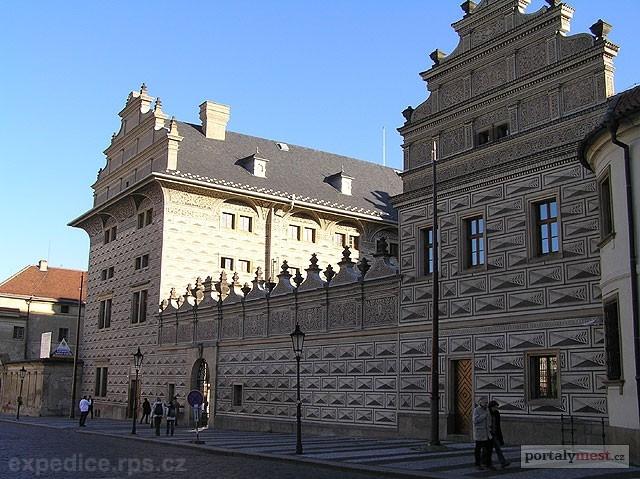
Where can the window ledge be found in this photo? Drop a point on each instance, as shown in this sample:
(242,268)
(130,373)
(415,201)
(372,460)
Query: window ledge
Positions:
(551,257)
(606,239)
(614,383)
(545,402)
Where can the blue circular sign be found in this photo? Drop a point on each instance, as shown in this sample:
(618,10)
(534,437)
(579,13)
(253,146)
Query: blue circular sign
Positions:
(194,398)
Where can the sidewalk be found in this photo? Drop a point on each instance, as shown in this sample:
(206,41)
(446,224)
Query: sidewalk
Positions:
(391,457)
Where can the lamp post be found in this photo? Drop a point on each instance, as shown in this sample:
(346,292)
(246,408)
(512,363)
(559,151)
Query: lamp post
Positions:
(435,339)
(23,373)
(297,338)
(137,362)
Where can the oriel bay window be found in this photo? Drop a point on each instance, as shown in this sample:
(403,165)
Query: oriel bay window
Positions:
(475,241)
(546,234)
(139,306)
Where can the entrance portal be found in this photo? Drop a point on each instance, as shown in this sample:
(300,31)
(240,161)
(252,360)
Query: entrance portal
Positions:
(200,380)
(462,396)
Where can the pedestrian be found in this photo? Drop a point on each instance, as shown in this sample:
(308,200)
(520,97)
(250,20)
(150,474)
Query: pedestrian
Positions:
(84,410)
(482,434)
(175,401)
(497,440)
(90,399)
(158,412)
(146,410)
(171,417)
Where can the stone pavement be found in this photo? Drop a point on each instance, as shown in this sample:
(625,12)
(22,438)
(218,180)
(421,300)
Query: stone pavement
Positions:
(383,457)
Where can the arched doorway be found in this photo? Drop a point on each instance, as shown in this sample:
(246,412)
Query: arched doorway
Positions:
(201,380)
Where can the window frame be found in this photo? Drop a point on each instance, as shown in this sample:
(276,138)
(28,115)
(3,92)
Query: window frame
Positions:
(247,263)
(104,313)
(222,261)
(17,336)
(237,395)
(102,380)
(61,337)
(226,215)
(342,236)
(249,222)
(613,340)
(307,229)
(294,228)
(354,242)
(426,258)
(539,223)
(139,306)
(470,237)
(605,207)
(530,375)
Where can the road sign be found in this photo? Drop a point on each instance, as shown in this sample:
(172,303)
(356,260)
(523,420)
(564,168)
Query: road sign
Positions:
(194,398)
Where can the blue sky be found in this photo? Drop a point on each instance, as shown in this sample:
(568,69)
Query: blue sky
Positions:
(328,75)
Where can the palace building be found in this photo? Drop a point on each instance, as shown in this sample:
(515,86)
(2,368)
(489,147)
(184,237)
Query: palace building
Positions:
(177,200)
(180,208)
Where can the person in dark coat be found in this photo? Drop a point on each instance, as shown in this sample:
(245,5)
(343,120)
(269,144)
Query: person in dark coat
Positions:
(158,413)
(497,440)
(171,417)
(146,411)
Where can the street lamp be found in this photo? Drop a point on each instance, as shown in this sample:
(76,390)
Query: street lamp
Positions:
(435,333)
(297,338)
(137,362)
(23,373)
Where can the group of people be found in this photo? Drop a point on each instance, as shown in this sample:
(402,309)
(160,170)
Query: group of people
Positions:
(157,411)
(487,434)
(86,408)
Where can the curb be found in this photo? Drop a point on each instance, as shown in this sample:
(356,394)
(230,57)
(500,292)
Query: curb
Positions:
(334,465)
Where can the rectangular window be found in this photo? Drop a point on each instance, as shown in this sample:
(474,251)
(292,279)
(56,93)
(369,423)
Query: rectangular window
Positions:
(245,223)
(145,260)
(107,236)
(103,274)
(354,242)
(104,314)
(228,220)
(64,308)
(612,340)
(546,227)
(426,238)
(100,389)
(63,333)
(310,235)
(110,272)
(139,307)
(483,137)
(543,376)
(502,131)
(226,263)
(140,220)
(244,266)
(606,207)
(475,241)
(114,231)
(18,332)
(237,394)
(294,232)
(110,234)
(141,261)
(340,239)
(148,217)
(393,249)
(172,390)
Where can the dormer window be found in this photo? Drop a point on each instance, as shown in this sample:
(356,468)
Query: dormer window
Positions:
(255,165)
(341,182)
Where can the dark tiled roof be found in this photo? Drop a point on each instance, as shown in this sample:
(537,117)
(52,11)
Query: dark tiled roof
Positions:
(620,106)
(56,283)
(302,172)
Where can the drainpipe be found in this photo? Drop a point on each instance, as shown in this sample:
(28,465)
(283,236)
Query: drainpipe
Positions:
(633,262)
(26,328)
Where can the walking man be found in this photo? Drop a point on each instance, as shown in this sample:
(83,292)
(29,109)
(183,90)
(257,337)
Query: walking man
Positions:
(496,433)
(171,417)
(146,410)
(84,410)
(90,406)
(158,412)
(482,434)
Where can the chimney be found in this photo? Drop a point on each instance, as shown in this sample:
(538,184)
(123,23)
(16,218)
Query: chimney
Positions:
(214,117)
(43,265)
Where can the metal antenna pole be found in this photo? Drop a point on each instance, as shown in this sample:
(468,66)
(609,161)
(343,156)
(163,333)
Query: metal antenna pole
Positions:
(435,347)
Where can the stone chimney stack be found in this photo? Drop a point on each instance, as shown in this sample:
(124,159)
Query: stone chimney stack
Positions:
(214,117)
(43,265)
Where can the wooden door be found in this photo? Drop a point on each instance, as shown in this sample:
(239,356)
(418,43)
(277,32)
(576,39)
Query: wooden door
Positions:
(462,396)
(134,390)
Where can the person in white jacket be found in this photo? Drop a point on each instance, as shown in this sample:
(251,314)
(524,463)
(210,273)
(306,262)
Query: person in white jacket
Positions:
(482,434)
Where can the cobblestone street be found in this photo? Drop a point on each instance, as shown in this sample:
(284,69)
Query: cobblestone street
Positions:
(106,449)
